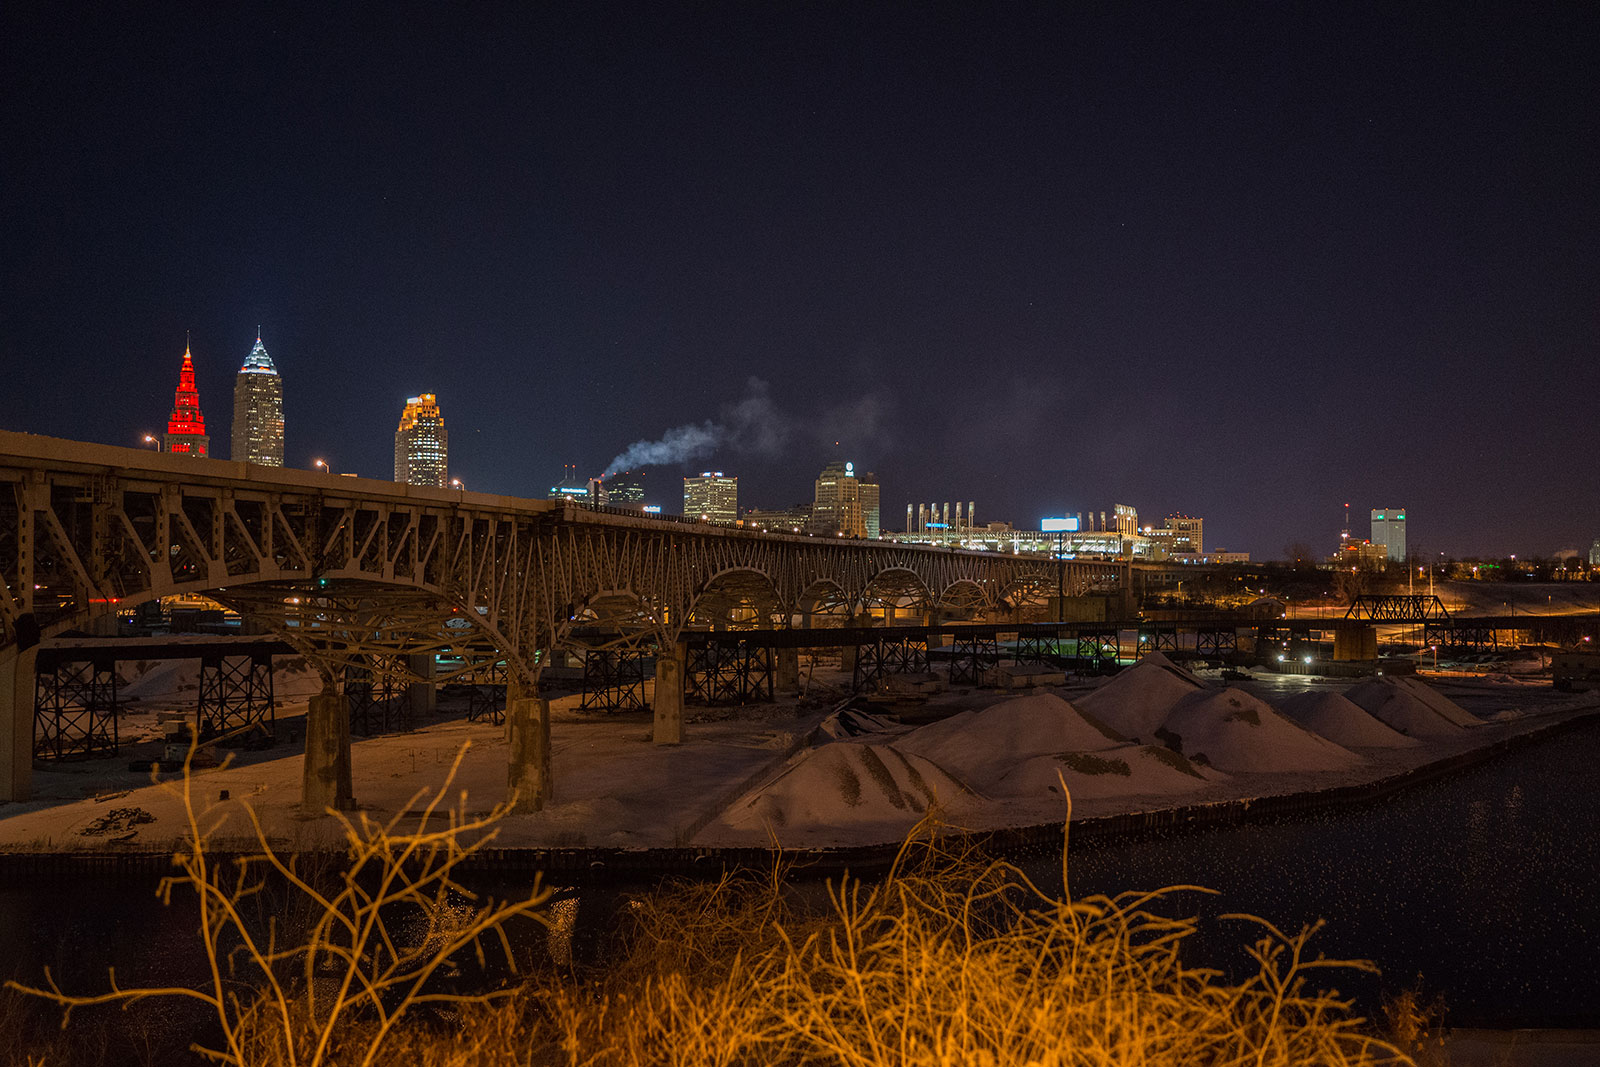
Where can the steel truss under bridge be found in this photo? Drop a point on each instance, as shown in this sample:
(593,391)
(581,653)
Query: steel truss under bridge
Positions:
(971,655)
(613,679)
(75,710)
(236,696)
(1397,608)
(886,655)
(378,700)
(727,669)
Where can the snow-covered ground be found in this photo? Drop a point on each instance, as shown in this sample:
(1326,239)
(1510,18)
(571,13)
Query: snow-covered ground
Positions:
(803,773)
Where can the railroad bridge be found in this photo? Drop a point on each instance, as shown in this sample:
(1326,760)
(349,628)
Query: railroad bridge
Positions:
(382,577)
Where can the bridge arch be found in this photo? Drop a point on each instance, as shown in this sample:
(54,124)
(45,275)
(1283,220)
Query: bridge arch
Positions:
(610,619)
(964,598)
(895,593)
(824,603)
(738,598)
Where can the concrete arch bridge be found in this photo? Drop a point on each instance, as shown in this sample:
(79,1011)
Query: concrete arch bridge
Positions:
(355,572)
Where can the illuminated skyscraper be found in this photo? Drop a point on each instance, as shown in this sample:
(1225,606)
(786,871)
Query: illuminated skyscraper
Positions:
(258,410)
(1389,530)
(711,497)
(846,502)
(421,444)
(624,489)
(186,429)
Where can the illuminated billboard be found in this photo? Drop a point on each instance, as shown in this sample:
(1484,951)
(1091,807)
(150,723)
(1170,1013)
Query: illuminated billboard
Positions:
(1068,525)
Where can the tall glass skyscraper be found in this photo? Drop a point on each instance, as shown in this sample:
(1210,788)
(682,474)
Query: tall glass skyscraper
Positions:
(258,410)
(421,444)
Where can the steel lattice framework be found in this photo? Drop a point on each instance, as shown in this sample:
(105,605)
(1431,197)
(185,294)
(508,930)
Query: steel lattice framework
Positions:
(352,570)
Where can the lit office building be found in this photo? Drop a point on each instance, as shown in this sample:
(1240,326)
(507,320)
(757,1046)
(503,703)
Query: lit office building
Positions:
(778,520)
(624,489)
(846,503)
(571,488)
(258,410)
(421,445)
(1389,530)
(1182,535)
(711,497)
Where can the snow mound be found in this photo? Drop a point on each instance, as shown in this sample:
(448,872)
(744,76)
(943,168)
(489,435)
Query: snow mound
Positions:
(162,678)
(1137,701)
(1410,706)
(293,677)
(1235,731)
(1340,720)
(847,785)
(1127,770)
(985,744)
(852,722)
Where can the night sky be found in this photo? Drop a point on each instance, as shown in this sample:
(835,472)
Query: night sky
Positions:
(1248,262)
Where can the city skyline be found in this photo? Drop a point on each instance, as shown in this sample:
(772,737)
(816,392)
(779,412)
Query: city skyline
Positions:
(1100,263)
(258,361)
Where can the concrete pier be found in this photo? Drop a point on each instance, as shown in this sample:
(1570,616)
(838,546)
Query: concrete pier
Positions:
(326,780)
(421,697)
(16,723)
(787,668)
(528,730)
(668,701)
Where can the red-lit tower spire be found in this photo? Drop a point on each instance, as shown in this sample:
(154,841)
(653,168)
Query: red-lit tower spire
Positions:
(186,429)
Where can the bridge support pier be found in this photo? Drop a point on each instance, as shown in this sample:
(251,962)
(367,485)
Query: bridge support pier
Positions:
(528,730)
(421,697)
(326,780)
(788,668)
(16,723)
(668,699)
(1354,640)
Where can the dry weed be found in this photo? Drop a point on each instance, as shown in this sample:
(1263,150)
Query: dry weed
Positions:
(335,990)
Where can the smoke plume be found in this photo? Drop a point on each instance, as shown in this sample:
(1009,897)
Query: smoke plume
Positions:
(752,424)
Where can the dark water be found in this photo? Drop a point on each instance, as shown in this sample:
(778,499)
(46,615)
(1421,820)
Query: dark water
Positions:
(1481,888)
(1486,885)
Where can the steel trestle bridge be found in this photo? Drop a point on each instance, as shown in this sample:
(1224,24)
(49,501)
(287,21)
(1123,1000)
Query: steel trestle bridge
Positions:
(377,577)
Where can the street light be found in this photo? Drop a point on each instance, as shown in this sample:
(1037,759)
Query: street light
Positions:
(322,464)
(455,483)
(151,439)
